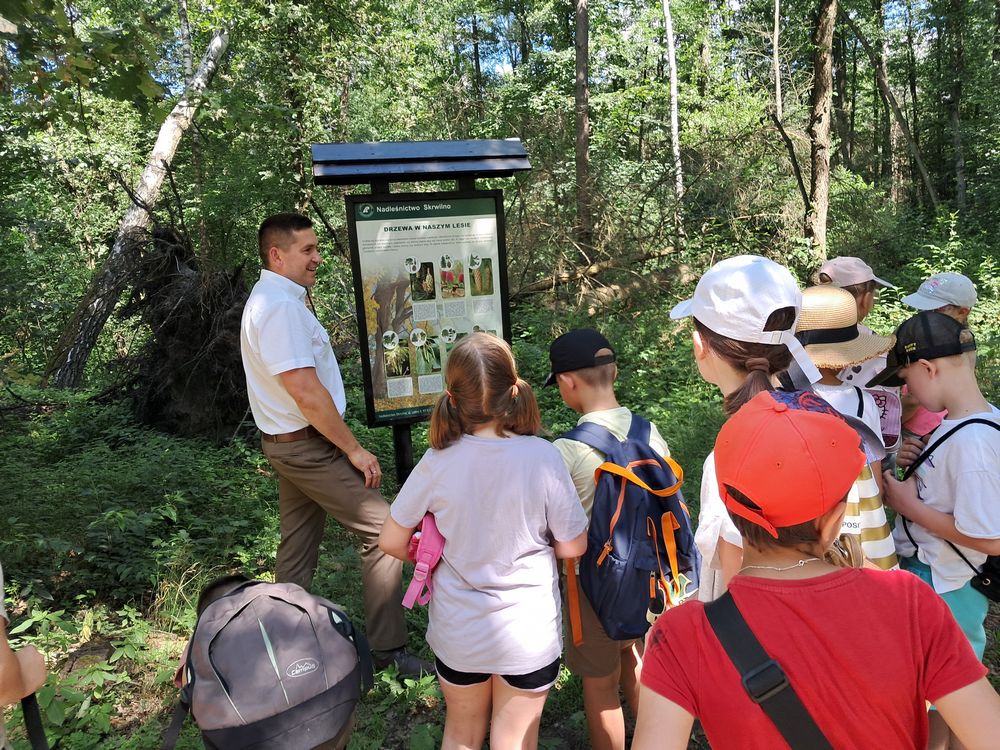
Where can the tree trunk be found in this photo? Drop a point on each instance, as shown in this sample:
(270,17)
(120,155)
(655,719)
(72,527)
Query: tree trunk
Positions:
(854,96)
(182,14)
(584,198)
(776,60)
(957,28)
(819,128)
(840,100)
(675,130)
(911,70)
(65,370)
(996,31)
(199,166)
(524,41)
(883,83)
(885,135)
(475,57)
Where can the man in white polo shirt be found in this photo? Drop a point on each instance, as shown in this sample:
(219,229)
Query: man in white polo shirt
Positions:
(297,399)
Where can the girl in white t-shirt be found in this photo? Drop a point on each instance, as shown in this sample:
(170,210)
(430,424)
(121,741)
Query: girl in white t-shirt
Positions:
(745,310)
(507,509)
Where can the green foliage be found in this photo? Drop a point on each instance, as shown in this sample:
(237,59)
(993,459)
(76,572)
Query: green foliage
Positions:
(142,504)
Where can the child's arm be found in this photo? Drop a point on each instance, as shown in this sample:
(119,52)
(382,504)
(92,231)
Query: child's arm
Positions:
(973,713)
(660,723)
(21,672)
(572,548)
(395,539)
(876,467)
(902,497)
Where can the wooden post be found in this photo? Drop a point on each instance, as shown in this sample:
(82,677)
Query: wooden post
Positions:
(402,444)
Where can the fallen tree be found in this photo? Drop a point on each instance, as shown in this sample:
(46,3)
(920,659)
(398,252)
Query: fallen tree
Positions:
(65,369)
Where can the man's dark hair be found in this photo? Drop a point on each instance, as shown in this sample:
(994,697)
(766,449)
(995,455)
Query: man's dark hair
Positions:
(276,228)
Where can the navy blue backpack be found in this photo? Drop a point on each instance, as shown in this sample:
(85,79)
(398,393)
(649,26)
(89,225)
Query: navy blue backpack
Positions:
(641,557)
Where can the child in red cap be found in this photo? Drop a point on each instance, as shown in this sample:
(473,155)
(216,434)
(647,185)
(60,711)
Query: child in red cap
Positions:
(785,463)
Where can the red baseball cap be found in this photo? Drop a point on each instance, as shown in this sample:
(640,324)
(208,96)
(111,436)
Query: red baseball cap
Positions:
(791,454)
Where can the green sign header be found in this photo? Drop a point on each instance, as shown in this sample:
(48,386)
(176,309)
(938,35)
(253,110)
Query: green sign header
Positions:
(424,209)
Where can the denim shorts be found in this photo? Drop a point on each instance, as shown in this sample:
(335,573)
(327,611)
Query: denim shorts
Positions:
(967,604)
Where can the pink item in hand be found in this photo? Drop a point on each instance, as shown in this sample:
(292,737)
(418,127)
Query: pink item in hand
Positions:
(426,546)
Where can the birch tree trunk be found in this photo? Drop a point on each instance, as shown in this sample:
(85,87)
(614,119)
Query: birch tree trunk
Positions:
(584,204)
(475,57)
(819,128)
(675,130)
(776,60)
(66,368)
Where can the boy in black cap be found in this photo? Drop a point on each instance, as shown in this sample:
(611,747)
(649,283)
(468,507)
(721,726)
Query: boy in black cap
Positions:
(948,508)
(583,366)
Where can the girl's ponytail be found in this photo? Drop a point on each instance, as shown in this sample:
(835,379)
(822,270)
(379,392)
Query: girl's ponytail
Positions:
(446,423)
(522,416)
(758,379)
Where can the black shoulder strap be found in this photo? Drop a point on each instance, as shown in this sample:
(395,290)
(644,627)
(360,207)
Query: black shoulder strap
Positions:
(934,446)
(861,402)
(763,678)
(597,437)
(176,724)
(33,723)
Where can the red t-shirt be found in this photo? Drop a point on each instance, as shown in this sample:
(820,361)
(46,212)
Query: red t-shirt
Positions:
(863,648)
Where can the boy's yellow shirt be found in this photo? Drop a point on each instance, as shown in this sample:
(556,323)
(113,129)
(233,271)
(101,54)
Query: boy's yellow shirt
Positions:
(582,460)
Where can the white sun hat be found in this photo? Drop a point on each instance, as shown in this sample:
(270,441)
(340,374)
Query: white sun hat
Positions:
(942,289)
(735,298)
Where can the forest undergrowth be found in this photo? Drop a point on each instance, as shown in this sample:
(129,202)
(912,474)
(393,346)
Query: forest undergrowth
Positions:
(112,527)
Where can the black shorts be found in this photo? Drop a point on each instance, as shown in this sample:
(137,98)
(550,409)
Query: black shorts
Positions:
(540,679)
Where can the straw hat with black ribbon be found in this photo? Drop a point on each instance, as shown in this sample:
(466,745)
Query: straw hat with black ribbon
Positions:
(828,330)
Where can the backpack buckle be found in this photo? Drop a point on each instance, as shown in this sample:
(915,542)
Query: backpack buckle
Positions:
(420,571)
(765,681)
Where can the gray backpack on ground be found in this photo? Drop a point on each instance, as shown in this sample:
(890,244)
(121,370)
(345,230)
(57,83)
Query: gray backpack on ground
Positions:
(270,665)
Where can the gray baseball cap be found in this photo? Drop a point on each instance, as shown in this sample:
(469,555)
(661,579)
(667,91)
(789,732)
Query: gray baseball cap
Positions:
(942,289)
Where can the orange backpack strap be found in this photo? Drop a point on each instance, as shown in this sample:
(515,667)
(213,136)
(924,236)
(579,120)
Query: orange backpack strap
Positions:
(628,475)
(573,602)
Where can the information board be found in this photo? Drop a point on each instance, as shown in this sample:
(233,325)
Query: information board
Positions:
(429,268)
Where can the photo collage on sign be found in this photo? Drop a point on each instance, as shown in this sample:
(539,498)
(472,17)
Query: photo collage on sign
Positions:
(439,289)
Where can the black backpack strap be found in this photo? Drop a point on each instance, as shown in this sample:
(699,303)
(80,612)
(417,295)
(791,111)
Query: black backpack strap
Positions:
(861,402)
(33,723)
(906,528)
(763,678)
(934,446)
(597,437)
(176,724)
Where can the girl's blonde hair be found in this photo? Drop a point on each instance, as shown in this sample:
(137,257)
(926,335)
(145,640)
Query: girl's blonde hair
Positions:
(483,385)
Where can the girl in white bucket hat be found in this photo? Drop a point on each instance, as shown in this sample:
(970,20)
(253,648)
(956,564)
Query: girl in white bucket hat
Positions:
(745,312)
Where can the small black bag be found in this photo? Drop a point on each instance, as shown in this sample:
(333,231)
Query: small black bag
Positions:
(987,580)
